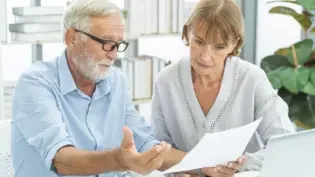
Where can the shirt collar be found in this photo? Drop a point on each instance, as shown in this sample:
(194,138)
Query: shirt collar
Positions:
(67,83)
(102,88)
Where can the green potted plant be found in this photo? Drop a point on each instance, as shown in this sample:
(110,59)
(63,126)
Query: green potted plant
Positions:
(291,70)
(125,13)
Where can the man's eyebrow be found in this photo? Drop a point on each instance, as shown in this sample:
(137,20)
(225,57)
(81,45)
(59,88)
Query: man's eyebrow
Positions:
(110,38)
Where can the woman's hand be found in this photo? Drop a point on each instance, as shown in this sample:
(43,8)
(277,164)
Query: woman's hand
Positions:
(227,170)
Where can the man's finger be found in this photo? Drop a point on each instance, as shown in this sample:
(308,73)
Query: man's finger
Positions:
(242,159)
(234,165)
(225,170)
(209,171)
(128,141)
(218,173)
(146,157)
(157,161)
(165,148)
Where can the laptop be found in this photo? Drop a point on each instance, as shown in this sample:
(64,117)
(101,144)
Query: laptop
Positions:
(290,155)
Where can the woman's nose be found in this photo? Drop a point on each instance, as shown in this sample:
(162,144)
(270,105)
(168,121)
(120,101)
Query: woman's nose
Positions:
(206,55)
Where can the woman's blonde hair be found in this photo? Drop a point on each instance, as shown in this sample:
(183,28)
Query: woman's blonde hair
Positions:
(215,16)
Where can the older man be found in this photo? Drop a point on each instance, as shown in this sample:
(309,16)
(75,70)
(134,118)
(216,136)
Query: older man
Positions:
(74,115)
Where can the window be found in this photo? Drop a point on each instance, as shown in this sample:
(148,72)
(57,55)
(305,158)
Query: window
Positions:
(275,31)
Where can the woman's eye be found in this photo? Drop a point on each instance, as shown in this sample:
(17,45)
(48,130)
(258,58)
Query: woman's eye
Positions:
(199,42)
(220,47)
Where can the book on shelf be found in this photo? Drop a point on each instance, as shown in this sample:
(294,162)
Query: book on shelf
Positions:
(127,67)
(135,18)
(143,78)
(180,15)
(174,15)
(141,73)
(154,16)
(33,37)
(151,17)
(31,27)
(38,10)
(38,19)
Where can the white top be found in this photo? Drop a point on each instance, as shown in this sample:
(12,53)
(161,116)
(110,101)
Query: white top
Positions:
(245,95)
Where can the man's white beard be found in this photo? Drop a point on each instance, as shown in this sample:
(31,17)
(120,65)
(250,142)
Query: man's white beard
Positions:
(90,69)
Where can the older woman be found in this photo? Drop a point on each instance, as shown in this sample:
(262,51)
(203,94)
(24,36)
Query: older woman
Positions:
(213,90)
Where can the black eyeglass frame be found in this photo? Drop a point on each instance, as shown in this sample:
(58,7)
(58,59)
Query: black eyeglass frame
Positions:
(103,42)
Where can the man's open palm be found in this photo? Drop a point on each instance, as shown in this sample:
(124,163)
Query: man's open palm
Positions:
(142,163)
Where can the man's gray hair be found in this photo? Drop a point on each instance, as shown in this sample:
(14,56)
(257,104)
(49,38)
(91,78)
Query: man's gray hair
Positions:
(78,14)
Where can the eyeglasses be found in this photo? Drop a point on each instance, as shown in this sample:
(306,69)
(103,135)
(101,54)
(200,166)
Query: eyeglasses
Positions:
(108,45)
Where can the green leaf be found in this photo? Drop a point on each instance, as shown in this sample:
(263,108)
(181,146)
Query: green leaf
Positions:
(312,30)
(311,61)
(302,19)
(303,75)
(308,4)
(299,124)
(312,76)
(125,13)
(300,110)
(309,89)
(312,103)
(282,51)
(273,62)
(303,51)
(289,78)
(297,105)
(274,77)
(285,94)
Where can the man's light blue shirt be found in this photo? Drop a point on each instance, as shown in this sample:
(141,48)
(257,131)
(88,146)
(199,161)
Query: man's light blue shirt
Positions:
(50,112)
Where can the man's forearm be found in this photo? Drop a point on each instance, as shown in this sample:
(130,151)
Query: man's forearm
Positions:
(72,161)
(174,157)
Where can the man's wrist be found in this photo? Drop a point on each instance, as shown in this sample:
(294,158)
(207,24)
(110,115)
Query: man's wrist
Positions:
(119,159)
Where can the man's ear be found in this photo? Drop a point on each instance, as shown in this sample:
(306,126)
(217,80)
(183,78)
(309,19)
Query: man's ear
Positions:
(70,37)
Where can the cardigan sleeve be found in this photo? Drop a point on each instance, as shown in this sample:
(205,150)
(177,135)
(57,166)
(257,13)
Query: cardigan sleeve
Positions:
(274,110)
(161,131)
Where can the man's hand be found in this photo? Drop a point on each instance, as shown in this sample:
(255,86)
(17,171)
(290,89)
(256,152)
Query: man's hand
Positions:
(225,170)
(142,163)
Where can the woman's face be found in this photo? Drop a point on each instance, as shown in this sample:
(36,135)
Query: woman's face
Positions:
(207,58)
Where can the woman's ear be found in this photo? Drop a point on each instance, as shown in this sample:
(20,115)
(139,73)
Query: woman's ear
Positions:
(236,42)
(235,46)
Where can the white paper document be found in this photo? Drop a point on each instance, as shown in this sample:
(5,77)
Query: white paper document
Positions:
(217,148)
(248,174)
